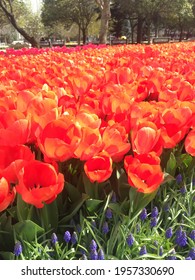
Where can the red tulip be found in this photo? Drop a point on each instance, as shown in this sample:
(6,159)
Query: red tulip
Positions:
(39,183)
(144,172)
(99,167)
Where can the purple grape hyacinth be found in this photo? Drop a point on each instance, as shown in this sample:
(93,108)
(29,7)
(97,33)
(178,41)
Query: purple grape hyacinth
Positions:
(18,249)
(143,215)
(130,240)
(67,236)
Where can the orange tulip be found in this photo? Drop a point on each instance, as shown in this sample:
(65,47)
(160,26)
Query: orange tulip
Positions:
(99,168)
(145,138)
(115,142)
(59,139)
(144,172)
(39,183)
(174,124)
(6,194)
(14,129)
(90,144)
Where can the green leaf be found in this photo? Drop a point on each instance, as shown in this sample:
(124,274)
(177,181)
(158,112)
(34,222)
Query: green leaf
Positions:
(27,230)
(93,205)
(73,209)
(73,193)
(171,165)
(7,255)
(49,216)
(22,209)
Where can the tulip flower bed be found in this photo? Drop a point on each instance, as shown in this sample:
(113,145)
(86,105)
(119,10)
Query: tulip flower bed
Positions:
(97,152)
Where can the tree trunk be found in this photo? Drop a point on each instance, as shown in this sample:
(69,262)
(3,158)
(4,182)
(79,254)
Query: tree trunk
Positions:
(79,35)
(139,29)
(105,17)
(12,20)
(148,32)
(181,34)
(84,35)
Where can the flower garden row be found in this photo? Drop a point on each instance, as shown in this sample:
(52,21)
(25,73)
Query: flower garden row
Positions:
(94,118)
(99,105)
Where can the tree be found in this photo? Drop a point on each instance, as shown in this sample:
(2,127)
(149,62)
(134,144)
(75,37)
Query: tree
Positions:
(69,12)
(10,9)
(104,6)
(179,16)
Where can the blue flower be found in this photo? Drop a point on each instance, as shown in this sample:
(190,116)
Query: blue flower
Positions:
(179,178)
(192,253)
(154,213)
(130,240)
(108,213)
(168,233)
(183,190)
(153,222)
(143,250)
(178,231)
(143,214)
(192,235)
(67,236)
(93,255)
(93,245)
(181,239)
(18,249)
(101,255)
(105,228)
(74,238)
(54,238)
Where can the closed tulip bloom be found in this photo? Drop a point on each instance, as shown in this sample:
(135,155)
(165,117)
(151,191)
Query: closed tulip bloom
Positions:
(99,168)
(144,172)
